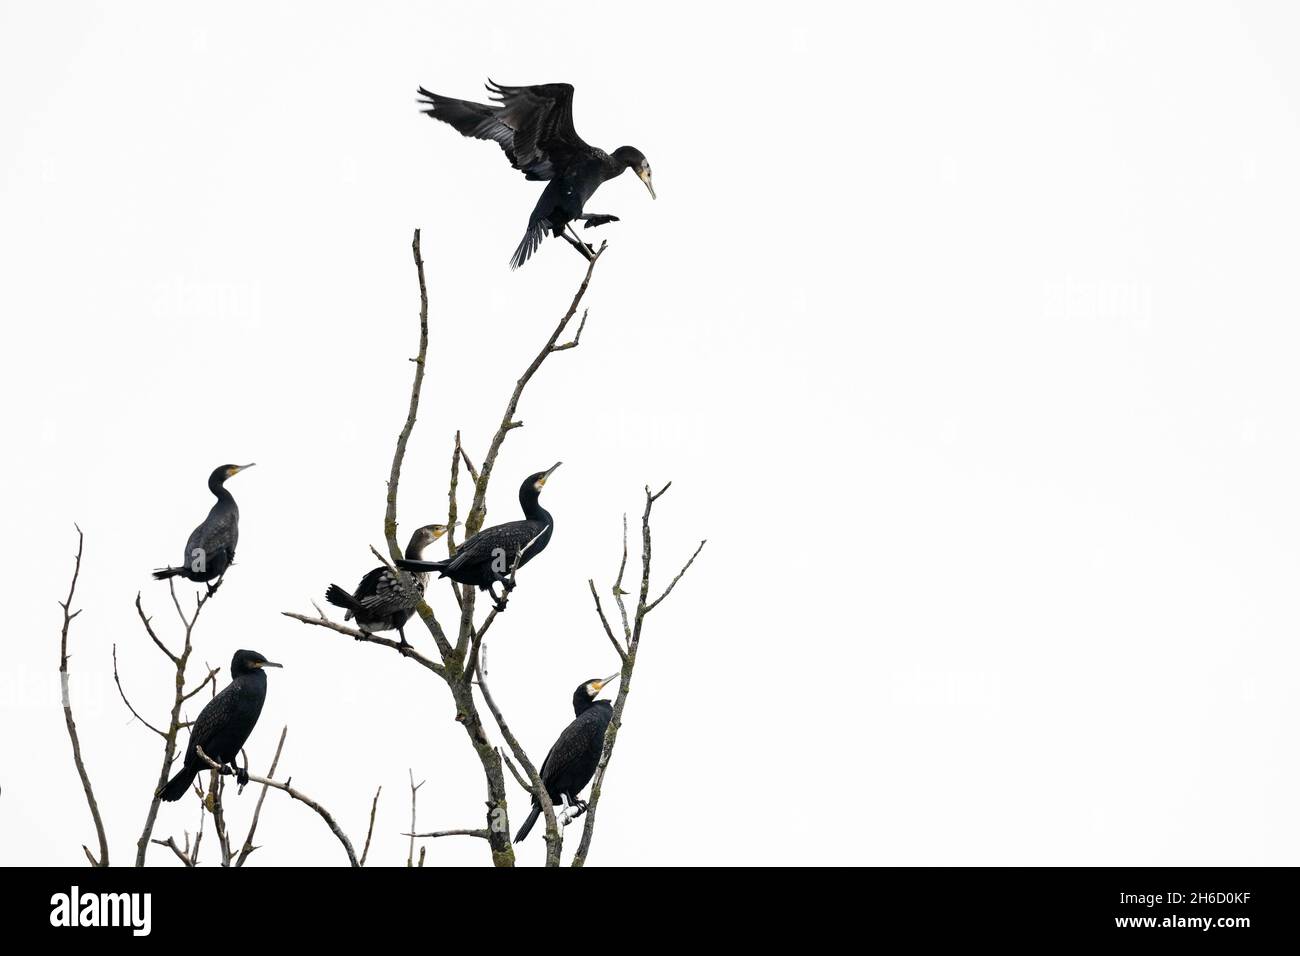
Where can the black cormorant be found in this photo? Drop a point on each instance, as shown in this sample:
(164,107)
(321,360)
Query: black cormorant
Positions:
(378,603)
(225,722)
(211,548)
(572,760)
(533,125)
(487,558)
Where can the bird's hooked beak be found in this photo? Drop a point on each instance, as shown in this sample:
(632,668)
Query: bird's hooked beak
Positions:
(236,469)
(267,664)
(644,173)
(598,685)
(547,474)
(439,531)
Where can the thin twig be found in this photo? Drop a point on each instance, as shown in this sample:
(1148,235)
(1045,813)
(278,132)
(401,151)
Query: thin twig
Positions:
(91,802)
(609,632)
(415,787)
(669,590)
(301,798)
(247,849)
(368,638)
(370,831)
(399,455)
(118,680)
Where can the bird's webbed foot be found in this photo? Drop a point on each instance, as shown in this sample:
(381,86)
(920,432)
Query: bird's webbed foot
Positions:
(598,219)
(241,776)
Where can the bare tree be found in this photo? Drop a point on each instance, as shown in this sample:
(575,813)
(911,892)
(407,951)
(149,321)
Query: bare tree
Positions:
(211,801)
(457,663)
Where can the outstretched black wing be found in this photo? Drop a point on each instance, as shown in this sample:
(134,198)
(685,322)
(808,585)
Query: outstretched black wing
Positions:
(532,124)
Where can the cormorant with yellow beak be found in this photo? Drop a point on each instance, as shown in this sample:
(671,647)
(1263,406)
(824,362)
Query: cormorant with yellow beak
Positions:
(571,762)
(490,556)
(380,603)
(533,125)
(210,551)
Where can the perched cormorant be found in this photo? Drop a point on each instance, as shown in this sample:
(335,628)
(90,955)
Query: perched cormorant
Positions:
(225,722)
(379,603)
(211,548)
(533,125)
(572,760)
(486,558)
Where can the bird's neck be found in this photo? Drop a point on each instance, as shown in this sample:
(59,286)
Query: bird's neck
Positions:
(533,509)
(580,707)
(219,489)
(614,167)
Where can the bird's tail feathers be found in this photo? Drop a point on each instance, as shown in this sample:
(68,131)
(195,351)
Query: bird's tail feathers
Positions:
(179,784)
(162,574)
(528,824)
(537,230)
(422,566)
(341,598)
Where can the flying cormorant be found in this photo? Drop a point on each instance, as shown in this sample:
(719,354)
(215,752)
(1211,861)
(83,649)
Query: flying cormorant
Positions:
(572,760)
(533,125)
(487,558)
(211,548)
(379,603)
(225,722)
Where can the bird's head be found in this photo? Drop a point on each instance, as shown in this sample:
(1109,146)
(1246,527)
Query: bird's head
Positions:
(635,160)
(589,690)
(219,475)
(424,537)
(247,662)
(534,483)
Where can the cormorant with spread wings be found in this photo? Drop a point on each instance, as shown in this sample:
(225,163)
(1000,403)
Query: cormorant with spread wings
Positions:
(533,125)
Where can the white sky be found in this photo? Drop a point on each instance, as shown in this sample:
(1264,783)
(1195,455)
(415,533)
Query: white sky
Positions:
(967,338)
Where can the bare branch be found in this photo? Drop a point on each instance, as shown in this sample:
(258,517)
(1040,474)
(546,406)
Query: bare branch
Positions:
(399,453)
(553,837)
(301,798)
(514,772)
(91,802)
(669,590)
(573,343)
(481,834)
(148,626)
(182,855)
(609,632)
(643,608)
(118,680)
(174,724)
(370,831)
(367,637)
(210,679)
(247,849)
(415,787)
